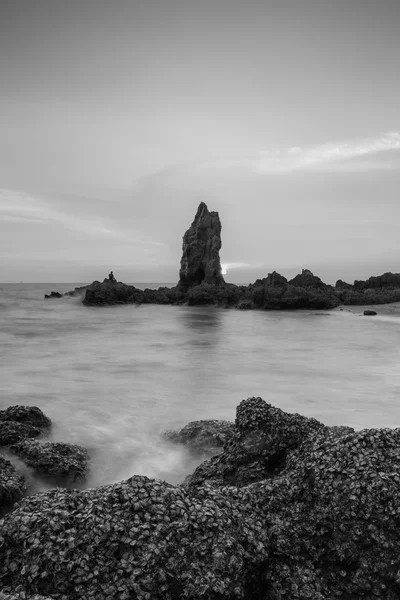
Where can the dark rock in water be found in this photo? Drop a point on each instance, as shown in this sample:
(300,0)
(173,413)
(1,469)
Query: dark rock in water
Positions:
(307,279)
(258,450)
(200,250)
(53,295)
(370,312)
(208,436)
(342,285)
(12,485)
(65,462)
(141,539)
(12,432)
(110,292)
(29,415)
(78,291)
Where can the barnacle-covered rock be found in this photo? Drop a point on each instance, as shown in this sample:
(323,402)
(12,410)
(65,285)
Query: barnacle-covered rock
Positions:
(335,518)
(66,462)
(207,436)
(258,450)
(29,415)
(12,432)
(12,485)
(141,539)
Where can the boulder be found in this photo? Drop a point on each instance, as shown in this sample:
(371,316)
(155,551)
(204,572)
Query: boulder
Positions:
(370,313)
(207,436)
(64,462)
(53,295)
(200,250)
(12,485)
(141,539)
(12,432)
(264,436)
(28,415)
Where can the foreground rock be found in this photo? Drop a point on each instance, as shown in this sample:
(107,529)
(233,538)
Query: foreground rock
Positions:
(65,462)
(12,432)
(370,313)
(319,520)
(18,423)
(207,436)
(200,250)
(139,539)
(12,485)
(29,415)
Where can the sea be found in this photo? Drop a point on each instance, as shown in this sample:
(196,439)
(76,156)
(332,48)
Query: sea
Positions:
(113,379)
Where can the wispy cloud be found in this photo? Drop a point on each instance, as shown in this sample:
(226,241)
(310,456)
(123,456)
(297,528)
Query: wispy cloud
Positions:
(20,207)
(348,155)
(336,155)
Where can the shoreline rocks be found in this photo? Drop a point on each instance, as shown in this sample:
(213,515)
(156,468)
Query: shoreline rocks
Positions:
(291,508)
(206,436)
(66,463)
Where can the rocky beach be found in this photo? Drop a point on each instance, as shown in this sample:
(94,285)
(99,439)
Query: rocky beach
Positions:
(285,507)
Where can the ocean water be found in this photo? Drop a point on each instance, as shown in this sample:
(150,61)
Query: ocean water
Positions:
(113,379)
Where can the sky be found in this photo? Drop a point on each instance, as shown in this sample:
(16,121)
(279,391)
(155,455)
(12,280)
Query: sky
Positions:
(118,118)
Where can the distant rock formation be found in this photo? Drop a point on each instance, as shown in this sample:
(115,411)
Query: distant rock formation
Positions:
(307,279)
(53,295)
(200,250)
(342,285)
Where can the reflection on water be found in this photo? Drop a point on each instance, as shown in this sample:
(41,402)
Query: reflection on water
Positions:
(112,379)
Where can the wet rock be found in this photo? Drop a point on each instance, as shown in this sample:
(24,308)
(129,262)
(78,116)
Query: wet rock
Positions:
(200,250)
(65,462)
(207,436)
(28,415)
(53,295)
(140,539)
(258,450)
(12,432)
(370,313)
(78,291)
(12,485)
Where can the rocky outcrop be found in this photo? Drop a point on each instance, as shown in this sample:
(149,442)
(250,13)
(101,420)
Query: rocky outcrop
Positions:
(53,295)
(207,436)
(66,463)
(264,436)
(342,285)
(18,423)
(200,251)
(140,539)
(303,291)
(12,432)
(310,512)
(12,484)
(29,415)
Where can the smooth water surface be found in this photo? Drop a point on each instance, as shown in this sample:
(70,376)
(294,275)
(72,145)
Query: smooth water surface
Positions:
(113,379)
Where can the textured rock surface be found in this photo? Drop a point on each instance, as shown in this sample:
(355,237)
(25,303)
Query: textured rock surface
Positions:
(12,432)
(207,436)
(258,450)
(139,539)
(12,485)
(29,415)
(200,250)
(323,523)
(66,462)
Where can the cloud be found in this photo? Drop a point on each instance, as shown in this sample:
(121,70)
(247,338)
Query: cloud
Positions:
(349,155)
(20,207)
(340,155)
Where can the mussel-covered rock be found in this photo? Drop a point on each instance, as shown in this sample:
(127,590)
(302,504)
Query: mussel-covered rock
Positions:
(12,432)
(12,485)
(65,462)
(140,539)
(206,436)
(258,450)
(30,415)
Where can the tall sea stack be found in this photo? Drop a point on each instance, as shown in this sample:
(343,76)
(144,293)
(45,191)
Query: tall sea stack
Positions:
(200,250)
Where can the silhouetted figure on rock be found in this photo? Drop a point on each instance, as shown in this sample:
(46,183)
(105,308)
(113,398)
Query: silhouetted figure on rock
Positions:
(111,277)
